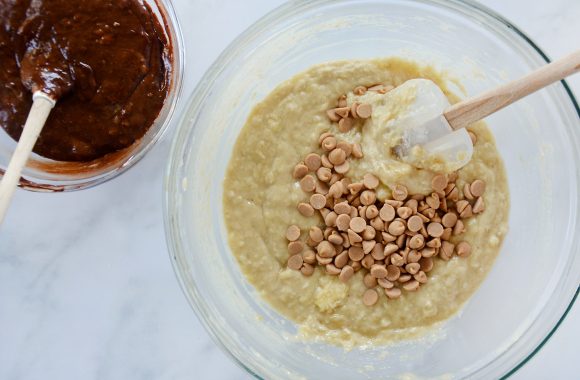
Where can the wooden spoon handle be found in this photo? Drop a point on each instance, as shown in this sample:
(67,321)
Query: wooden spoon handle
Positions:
(39,112)
(471,110)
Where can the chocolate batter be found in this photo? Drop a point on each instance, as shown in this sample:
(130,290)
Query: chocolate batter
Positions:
(107,62)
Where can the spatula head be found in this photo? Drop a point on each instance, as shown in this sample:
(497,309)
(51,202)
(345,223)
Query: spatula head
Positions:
(44,68)
(428,140)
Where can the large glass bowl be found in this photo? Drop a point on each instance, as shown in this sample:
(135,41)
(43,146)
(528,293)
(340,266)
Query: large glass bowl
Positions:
(536,276)
(46,175)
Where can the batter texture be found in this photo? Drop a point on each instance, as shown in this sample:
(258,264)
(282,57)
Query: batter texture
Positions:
(260,198)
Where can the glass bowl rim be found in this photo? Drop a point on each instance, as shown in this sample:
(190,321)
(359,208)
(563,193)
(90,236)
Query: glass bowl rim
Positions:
(199,93)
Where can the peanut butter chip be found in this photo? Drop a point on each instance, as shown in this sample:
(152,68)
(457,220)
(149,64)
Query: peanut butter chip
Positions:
(330,219)
(417,241)
(369,281)
(332,115)
(326,249)
(404,212)
(396,228)
(370,181)
(317,201)
(449,219)
(341,260)
(404,278)
(329,143)
(355,253)
(324,174)
(309,257)
(459,228)
(359,90)
(336,190)
(312,161)
(426,264)
(368,197)
(305,209)
(367,262)
(413,268)
(353,108)
(293,233)
(346,147)
(342,168)
(433,202)
(439,182)
(411,286)
(353,237)
(358,224)
(421,277)
(387,212)
(295,247)
(393,293)
(446,251)
(414,223)
(308,184)
(397,259)
(379,271)
(428,252)
(385,284)
(325,162)
(378,252)
(461,205)
(400,193)
(337,156)
(295,262)
(393,272)
(364,111)
(372,212)
(345,125)
(390,248)
(414,256)
(316,234)
(307,269)
(346,273)
(479,206)
(435,229)
(467,212)
(357,151)
(335,239)
(368,246)
(323,136)
(370,297)
(343,222)
(463,249)
(332,270)
(477,188)
(342,111)
(446,234)
(300,171)
(467,192)
(342,208)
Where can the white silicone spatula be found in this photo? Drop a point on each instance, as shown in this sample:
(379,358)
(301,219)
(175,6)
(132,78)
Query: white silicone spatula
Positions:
(439,128)
(45,72)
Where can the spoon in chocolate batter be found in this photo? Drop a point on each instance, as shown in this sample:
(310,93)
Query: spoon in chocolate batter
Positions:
(45,72)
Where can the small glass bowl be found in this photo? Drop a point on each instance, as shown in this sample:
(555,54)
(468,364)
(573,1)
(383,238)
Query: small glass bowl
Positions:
(535,278)
(46,175)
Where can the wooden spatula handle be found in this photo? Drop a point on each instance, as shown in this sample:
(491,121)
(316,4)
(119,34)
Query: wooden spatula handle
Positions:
(39,112)
(471,110)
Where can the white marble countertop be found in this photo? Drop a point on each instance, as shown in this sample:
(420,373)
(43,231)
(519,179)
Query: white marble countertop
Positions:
(86,287)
